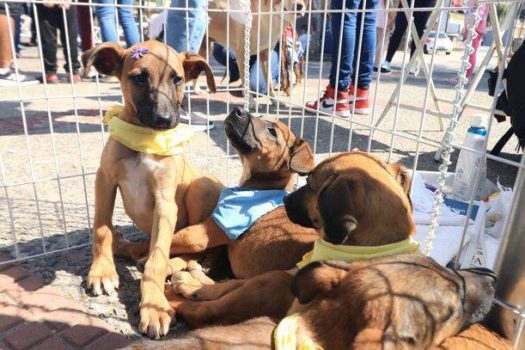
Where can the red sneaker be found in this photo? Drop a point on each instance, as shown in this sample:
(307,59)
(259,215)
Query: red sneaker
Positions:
(328,104)
(362,103)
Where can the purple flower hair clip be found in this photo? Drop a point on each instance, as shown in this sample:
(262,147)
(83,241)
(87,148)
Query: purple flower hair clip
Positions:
(139,52)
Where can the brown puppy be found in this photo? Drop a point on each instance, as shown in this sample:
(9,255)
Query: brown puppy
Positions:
(363,201)
(367,304)
(160,193)
(394,302)
(271,156)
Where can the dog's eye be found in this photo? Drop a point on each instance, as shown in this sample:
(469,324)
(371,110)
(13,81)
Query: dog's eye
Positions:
(272,132)
(139,79)
(178,80)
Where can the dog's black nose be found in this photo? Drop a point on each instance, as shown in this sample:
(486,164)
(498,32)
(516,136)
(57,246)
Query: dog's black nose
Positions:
(239,113)
(299,7)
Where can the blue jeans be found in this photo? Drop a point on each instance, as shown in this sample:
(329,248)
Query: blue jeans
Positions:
(108,25)
(185,30)
(348,46)
(219,53)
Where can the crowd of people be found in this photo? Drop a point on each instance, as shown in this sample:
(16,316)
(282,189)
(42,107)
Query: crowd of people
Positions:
(362,42)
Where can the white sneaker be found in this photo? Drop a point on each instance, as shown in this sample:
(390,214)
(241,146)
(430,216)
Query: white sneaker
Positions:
(414,70)
(11,79)
(386,68)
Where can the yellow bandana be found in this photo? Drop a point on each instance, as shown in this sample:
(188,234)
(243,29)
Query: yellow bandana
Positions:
(285,335)
(324,250)
(144,140)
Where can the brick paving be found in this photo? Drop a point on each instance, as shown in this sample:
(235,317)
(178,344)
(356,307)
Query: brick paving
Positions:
(35,316)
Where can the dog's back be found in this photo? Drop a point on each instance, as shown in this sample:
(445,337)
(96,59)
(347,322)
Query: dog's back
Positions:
(272,243)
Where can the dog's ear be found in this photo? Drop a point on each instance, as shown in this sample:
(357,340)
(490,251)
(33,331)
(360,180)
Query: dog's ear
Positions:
(301,158)
(107,58)
(193,66)
(315,279)
(403,176)
(337,216)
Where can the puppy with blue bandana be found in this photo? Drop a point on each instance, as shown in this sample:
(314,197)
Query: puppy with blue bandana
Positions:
(250,218)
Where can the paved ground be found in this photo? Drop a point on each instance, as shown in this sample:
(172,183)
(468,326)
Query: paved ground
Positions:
(36,316)
(40,213)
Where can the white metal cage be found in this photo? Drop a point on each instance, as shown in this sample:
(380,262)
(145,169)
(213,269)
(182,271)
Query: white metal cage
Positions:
(52,135)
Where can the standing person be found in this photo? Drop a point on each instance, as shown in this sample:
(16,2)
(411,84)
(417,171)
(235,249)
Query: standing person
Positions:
(50,19)
(108,24)
(346,77)
(7,75)
(481,30)
(420,21)
(385,24)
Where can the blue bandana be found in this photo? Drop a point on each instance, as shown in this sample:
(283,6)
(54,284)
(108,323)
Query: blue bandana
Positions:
(239,208)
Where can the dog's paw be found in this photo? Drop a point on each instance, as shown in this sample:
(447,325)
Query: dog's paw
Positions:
(186,284)
(196,272)
(156,315)
(102,277)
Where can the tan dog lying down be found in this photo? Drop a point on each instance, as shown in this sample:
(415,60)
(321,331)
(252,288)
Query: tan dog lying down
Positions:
(271,156)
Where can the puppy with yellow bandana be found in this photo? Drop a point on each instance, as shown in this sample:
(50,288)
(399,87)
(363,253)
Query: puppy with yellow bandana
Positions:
(143,158)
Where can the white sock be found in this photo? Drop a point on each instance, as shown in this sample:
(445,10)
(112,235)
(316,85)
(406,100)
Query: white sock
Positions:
(5,70)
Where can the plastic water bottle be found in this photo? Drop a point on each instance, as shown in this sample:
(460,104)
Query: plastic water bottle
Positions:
(475,254)
(470,164)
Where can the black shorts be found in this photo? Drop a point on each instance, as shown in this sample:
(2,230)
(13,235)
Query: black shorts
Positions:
(15,8)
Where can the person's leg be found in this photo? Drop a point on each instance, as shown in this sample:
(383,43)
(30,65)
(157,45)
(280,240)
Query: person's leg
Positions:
(342,59)
(106,21)
(368,46)
(362,77)
(127,21)
(397,35)
(472,58)
(18,29)
(185,29)
(6,55)
(420,20)
(72,34)
(48,37)
(84,27)
(219,54)
(9,77)
(343,51)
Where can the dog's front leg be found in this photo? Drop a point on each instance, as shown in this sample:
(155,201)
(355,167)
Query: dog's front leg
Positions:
(155,311)
(102,275)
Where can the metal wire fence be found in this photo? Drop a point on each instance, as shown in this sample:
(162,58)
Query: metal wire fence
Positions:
(52,135)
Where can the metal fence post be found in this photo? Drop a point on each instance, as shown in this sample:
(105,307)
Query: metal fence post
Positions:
(510,269)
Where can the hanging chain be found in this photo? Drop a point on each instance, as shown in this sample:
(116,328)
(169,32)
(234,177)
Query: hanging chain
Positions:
(247,34)
(446,145)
